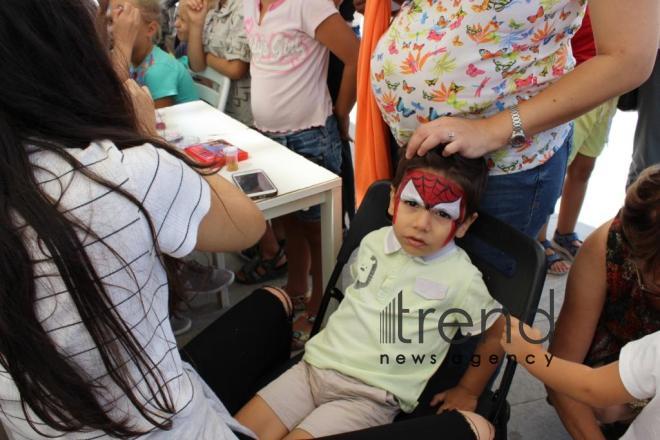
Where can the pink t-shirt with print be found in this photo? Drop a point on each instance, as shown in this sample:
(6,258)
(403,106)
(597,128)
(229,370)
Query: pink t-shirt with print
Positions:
(289,67)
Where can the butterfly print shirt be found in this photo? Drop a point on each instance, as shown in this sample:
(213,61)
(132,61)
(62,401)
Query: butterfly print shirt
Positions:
(474,59)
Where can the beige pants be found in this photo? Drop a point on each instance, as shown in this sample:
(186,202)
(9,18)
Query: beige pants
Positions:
(326,402)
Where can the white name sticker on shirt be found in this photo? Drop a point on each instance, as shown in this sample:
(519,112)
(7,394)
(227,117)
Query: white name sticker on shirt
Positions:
(430,289)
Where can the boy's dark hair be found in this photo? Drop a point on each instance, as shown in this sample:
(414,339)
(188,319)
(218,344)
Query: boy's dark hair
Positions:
(470,174)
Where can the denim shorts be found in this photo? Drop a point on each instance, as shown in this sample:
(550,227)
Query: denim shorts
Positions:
(321,145)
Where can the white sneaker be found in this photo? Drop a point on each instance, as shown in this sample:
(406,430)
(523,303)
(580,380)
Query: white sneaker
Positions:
(199,279)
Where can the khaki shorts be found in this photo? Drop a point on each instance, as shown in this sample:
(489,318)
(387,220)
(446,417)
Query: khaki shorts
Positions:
(326,402)
(592,130)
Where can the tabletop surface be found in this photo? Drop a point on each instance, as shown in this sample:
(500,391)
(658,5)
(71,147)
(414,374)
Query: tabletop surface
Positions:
(290,172)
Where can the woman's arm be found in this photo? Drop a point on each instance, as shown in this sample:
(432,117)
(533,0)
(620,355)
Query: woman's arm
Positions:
(125,21)
(575,328)
(338,37)
(465,395)
(233,222)
(626,40)
(597,387)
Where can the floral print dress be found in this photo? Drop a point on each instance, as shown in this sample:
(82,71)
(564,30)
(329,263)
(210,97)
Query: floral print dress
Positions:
(474,58)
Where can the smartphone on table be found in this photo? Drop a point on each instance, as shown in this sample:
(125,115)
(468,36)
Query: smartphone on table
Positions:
(255,184)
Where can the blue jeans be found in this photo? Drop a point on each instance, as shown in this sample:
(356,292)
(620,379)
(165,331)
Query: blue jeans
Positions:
(321,145)
(525,200)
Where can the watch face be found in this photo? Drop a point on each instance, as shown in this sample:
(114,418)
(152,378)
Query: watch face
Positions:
(518,140)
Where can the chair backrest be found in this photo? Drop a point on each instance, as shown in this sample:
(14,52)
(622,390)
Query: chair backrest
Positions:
(512,265)
(212,87)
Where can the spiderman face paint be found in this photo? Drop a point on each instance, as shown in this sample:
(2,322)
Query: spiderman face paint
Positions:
(421,191)
(432,191)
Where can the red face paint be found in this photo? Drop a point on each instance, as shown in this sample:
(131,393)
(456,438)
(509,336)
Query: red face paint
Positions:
(433,191)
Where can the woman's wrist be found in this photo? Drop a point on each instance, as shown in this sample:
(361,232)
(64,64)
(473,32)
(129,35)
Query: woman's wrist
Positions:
(500,127)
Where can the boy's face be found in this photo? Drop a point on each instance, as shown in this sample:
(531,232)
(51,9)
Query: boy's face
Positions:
(428,211)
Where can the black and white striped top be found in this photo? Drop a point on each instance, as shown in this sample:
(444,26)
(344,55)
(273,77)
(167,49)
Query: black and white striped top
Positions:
(177,199)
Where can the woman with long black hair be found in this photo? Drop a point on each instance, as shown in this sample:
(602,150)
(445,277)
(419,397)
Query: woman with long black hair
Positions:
(93,212)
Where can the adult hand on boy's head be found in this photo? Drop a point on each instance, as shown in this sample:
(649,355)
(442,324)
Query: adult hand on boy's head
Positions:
(455,398)
(519,344)
(471,138)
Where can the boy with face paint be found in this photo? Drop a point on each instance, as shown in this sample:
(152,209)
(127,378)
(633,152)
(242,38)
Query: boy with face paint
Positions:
(382,345)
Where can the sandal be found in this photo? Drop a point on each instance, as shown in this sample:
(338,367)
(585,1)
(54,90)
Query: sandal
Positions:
(553,258)
(259,270)
(300,337)
(250,253)
(565,243)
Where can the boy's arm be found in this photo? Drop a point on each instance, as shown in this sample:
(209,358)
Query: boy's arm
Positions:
(597,387)
(465,395)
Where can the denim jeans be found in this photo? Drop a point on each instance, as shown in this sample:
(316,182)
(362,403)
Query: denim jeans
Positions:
(524,200)
(321,145)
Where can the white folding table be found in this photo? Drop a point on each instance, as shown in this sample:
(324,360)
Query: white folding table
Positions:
(300,182)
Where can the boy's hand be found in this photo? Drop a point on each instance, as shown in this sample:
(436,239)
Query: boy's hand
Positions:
(518,345)
(455,398)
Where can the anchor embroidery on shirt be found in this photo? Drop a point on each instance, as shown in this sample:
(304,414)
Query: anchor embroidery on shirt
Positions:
(366,273)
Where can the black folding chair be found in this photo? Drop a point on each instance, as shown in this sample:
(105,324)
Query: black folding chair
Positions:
(513,268)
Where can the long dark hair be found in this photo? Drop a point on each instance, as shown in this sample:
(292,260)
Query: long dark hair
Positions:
(640,218)
(58,89)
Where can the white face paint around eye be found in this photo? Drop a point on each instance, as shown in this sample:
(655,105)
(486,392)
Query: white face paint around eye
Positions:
(453,209)
(410,194)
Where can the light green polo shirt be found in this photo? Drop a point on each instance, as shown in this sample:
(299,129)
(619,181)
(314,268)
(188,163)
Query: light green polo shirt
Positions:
(371,336)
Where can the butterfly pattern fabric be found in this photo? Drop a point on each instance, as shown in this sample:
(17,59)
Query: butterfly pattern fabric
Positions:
(474,58)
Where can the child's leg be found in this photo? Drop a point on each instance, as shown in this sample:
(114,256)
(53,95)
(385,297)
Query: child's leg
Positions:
(313,234)
(262,420)
(298,256)
(279,406)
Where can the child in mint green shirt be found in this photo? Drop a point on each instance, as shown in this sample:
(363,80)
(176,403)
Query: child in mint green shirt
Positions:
(382,345)
(168,81)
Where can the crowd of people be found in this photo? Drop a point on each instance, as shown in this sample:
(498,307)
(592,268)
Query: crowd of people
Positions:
(493,106)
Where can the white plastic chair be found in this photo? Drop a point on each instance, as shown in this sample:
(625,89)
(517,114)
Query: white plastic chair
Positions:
(212,87)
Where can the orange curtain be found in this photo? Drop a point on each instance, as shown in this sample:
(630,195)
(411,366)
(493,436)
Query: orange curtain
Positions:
(372,156)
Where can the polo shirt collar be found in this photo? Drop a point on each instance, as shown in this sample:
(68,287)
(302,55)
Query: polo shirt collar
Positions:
(392,245)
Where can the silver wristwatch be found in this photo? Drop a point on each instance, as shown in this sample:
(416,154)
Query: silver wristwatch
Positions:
(518,137)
